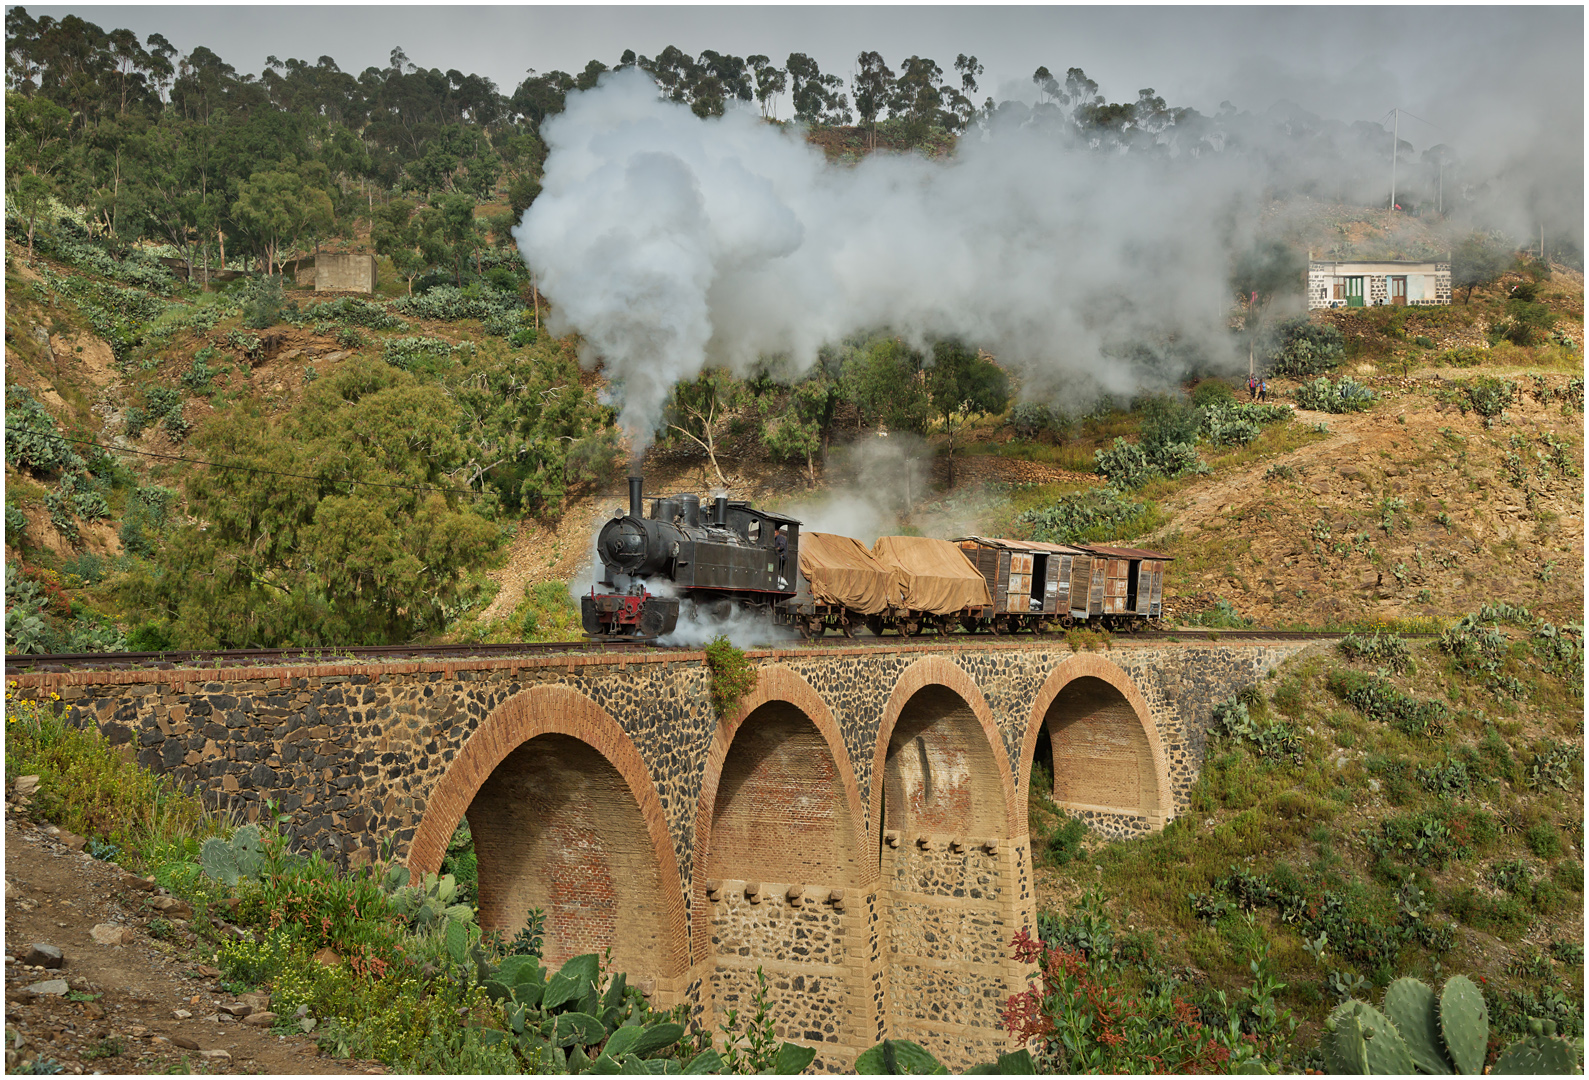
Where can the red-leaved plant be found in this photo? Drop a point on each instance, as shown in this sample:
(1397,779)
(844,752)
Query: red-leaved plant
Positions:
(1075,1017)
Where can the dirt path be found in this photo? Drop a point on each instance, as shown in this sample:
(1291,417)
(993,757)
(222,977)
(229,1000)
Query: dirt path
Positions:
(143,1007)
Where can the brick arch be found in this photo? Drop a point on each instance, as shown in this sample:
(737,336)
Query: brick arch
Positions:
(1088,665)
(774,685)
(554,710)
(929,672)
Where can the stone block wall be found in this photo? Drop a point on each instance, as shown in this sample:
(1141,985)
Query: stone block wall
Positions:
(361,755)
(951,916)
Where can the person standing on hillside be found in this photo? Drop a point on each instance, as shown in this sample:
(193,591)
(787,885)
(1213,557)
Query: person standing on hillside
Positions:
(1263,390)
(1252,388)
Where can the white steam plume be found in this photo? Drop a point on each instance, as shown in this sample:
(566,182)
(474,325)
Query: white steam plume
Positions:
(743,629)
(670,242)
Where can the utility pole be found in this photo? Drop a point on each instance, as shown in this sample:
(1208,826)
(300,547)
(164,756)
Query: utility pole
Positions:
(1395,145)
(1440,197)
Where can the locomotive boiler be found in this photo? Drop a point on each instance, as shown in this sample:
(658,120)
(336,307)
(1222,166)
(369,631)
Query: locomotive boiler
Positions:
(734,556)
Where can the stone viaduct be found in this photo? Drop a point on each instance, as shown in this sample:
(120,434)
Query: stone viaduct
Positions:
(857,829)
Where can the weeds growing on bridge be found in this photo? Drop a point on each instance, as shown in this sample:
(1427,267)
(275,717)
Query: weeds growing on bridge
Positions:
(732,674)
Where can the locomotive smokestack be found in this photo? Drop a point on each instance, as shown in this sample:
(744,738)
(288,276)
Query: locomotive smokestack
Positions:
(720,511)
(635,486)
(692,511)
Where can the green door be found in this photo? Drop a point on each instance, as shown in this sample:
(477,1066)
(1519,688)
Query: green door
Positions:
(1354,292)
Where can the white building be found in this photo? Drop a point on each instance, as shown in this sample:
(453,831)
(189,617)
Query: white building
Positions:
(1371,284)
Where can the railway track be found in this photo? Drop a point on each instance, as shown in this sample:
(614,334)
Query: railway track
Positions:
(211,658)
(216,658)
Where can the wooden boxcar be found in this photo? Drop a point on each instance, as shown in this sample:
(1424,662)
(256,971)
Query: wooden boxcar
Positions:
(1031,583)
(1125,584)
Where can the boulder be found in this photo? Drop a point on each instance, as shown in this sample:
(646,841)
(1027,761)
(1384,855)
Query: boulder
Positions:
(52,987)
(110,934)
(184,1042)
(215,1055)
(27,785)
(171,906)
(44,956)
(260,1019)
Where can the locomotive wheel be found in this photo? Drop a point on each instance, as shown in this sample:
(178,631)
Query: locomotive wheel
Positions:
(875,624)
(653,623)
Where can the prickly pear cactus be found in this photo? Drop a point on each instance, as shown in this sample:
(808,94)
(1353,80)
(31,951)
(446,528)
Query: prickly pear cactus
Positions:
(1364,1041)
(1411,1006)
(230,861)
(429,902)
(1464,1024)
(1537,1054)
(1387,1051)
(1344,1050)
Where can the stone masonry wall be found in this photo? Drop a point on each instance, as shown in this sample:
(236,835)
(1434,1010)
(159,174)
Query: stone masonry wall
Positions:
(354,753)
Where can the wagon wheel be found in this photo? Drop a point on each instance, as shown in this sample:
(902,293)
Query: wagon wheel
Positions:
(804,627)
(1066,622)
(1040,627)
(875,624)
(847,626)
(970,625)
(910,628)
(1001,625)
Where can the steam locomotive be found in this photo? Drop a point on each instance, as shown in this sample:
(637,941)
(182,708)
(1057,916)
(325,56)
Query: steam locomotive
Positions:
(740,558)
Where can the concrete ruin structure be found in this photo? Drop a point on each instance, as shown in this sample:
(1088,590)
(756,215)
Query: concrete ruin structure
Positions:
(1374,284)
(344,273)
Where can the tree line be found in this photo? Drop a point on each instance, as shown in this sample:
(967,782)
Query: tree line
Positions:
(186,150)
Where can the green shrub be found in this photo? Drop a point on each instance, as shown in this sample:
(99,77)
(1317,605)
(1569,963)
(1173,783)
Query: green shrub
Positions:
(732,675)
(1543,841)
(423,354)
(85,785)
(1466,356)
(352,311)
(1384,650)
(1381,701)
(1212,392)
(1222,616)
(1487,395)
(262,302)
(1097,515)
(1525,323)
(1031,419)
(449,303)
(1344,396)
(1131,465)
(32,441)
(1303,347)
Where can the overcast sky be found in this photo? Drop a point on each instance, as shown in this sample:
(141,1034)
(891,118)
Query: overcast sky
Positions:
(1347,62)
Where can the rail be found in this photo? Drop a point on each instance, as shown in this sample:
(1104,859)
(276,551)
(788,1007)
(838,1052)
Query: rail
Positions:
(216,658)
